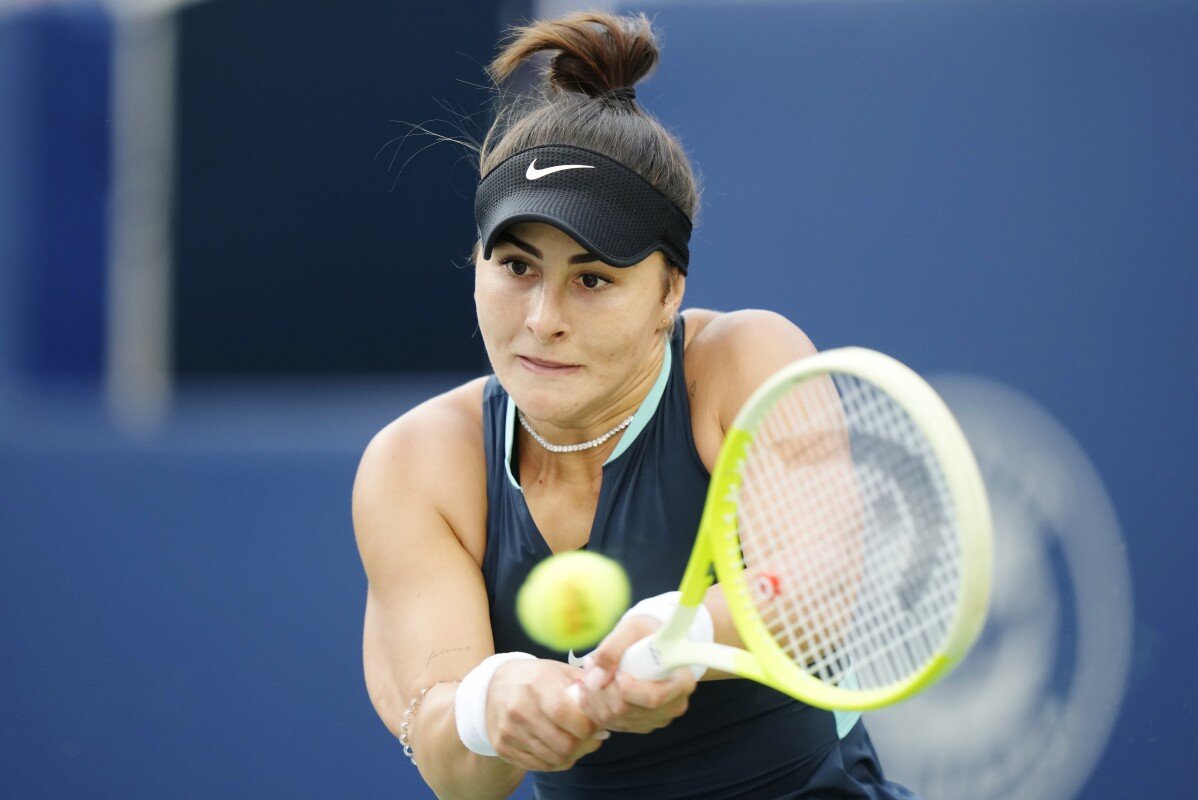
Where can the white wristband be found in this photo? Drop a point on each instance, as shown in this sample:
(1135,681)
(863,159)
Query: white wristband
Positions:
(470,702)
(661,607)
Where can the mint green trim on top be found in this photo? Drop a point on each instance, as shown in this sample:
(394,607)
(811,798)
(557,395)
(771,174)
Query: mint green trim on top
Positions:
(509,436)
(845,720)
(647,409)
(639,420)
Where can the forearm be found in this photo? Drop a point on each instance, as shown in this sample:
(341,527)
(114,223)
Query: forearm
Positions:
(450,770)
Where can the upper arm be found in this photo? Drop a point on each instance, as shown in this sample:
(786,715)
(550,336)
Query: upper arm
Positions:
(426,609)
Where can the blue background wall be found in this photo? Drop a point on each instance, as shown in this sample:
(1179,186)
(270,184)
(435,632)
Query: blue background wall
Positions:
(297,239)
(1004,189)
(54,161)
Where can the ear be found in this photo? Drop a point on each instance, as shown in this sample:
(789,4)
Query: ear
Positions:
(673,299)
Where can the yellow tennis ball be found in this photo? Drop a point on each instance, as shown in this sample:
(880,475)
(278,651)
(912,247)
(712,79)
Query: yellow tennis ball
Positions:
(571,600)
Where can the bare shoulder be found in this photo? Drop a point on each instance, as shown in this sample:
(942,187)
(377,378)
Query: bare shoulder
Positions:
(696,320)
(730,355)
(748,332)
(432,457)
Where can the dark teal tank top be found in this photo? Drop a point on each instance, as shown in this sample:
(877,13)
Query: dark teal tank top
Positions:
(737,738)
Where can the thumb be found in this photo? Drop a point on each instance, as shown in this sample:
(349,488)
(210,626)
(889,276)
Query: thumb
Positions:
(630,629)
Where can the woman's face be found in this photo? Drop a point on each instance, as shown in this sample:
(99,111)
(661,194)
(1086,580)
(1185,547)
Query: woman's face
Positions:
(565,332)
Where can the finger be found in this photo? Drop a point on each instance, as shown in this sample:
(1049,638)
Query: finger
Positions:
(655,694)
(631,629)
(588,746)
(530,731)
(580,714)
(593,704)
(568,715)
(634,719)
(646,720)
(518,753)
(603,705)
(641,721)
(554,747)
(595,678)
(583,747)
(682,684)
(527,762)
(639,694)
(565,728)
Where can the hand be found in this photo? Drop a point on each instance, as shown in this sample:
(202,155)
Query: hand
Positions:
(533,722)
(616,701)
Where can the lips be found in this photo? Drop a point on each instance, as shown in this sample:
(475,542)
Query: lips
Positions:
(544,362)
(544,366)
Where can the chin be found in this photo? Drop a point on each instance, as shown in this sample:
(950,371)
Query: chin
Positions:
(541,398)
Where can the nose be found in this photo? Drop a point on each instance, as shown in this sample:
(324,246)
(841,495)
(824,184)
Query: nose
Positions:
(545,318)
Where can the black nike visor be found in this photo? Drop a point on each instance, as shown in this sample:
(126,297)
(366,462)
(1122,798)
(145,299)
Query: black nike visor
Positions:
(603,205)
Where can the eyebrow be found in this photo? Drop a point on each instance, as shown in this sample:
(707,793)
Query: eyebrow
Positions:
(581,258)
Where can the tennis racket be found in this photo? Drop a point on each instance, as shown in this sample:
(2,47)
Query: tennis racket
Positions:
(848,526)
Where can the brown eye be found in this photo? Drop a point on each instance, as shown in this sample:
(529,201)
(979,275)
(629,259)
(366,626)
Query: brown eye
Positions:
(593,281)
(517,268)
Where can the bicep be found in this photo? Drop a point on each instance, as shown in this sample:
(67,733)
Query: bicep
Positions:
(426,617)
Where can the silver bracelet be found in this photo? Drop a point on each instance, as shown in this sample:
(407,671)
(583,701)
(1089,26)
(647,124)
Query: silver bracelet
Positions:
(405,727)
(409,716)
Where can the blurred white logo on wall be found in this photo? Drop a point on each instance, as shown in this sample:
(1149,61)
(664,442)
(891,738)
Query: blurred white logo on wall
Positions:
(1027,715)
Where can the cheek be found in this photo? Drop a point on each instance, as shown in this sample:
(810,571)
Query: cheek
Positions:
(492,305)
(618,349)
(490,319)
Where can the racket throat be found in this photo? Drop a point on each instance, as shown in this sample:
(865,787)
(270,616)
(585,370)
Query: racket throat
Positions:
(697,578)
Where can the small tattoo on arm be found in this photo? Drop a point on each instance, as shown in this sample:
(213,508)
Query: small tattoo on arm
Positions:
(439,653)
(693,388)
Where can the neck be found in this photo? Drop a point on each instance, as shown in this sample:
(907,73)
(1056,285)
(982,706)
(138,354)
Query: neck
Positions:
(542,463)
(571,448)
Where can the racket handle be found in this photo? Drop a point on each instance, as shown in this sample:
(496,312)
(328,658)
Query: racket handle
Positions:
(642,660)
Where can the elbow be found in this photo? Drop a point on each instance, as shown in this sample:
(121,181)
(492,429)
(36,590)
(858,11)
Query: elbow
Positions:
(465,781)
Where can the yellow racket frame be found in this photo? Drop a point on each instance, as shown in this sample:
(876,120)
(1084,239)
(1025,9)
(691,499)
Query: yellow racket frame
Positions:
(718,544)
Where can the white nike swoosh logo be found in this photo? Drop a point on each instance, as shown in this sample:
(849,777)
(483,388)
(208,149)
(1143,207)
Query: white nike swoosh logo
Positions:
(534,173)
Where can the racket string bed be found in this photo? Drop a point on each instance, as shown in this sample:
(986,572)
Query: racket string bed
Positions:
(902,624)
(846,532)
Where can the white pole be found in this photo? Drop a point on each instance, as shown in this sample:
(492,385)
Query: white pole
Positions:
(138,373)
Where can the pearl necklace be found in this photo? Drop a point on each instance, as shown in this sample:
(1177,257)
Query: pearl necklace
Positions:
(572,448)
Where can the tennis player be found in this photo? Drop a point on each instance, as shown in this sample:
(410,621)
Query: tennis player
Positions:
(598,429)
